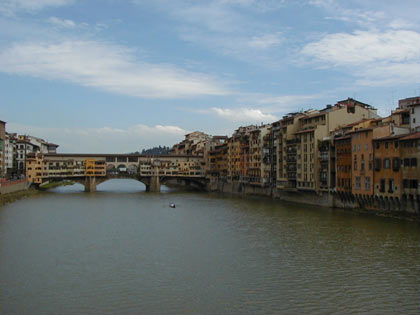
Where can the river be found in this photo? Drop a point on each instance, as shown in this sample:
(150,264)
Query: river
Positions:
(124,251)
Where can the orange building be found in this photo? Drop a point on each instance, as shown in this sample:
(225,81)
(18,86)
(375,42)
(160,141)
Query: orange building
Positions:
(388,173)
(410,155)
(219,161)
(362,162)
(343,163)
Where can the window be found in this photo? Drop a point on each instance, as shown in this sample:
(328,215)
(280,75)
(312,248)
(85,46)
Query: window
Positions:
(413,162)
(370,161)
(362,163)
(358,182)
(414,183)
(377,145)
(391,185)
(396,164)
(355,162)
(406,183)
(396,144)
(366,146)
(367,183)
(382,188)
(406,162)
(386,163)
(386,145)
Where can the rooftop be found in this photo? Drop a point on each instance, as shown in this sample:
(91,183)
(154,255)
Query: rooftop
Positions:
(393,137)
(412,136)
(304,131)
(361,130)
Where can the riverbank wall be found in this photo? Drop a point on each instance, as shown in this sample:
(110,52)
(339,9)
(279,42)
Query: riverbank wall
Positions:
(309,198)
(374,205)
(11,191)
(13,186)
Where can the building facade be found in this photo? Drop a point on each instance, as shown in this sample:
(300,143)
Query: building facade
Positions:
(2,149)
(410,157)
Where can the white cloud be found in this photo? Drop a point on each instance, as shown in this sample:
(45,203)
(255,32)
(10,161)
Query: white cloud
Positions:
(372,14)
(349,13)
(265,41)
(389,74)
(402,24)
(390,57)
(211,16)
(260,49)
(108,67)
(228,27)
(365,46)
(101,26)
(287,103)
(12,6)
(104,139)
(243,115)
(62,22)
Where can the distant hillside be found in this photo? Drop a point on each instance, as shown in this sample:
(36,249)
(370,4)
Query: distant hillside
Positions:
(156,151)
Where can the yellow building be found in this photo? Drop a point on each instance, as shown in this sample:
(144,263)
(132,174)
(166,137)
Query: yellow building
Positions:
(95,167)
(34,168)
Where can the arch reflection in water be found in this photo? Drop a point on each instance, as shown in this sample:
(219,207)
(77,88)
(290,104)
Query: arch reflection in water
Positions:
(112,185)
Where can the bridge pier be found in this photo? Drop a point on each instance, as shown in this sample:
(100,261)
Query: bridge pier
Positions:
(154,185)
(90,184)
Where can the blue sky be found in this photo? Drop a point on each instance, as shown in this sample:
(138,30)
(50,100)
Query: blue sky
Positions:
(121,75)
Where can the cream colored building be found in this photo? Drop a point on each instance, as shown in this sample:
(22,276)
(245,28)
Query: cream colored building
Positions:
(258,172)
(286,151)
(301,134)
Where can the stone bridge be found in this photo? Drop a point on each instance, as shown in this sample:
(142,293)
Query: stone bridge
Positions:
(91,170)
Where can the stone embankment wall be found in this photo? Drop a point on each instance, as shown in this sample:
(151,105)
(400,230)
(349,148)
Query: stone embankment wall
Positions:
(11,191)
(311,198)
(14,186)
(323,199)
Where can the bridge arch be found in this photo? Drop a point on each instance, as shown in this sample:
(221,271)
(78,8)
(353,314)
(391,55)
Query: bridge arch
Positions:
(191,182)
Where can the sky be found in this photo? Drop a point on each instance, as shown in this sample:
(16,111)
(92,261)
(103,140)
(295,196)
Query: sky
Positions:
(119,76)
